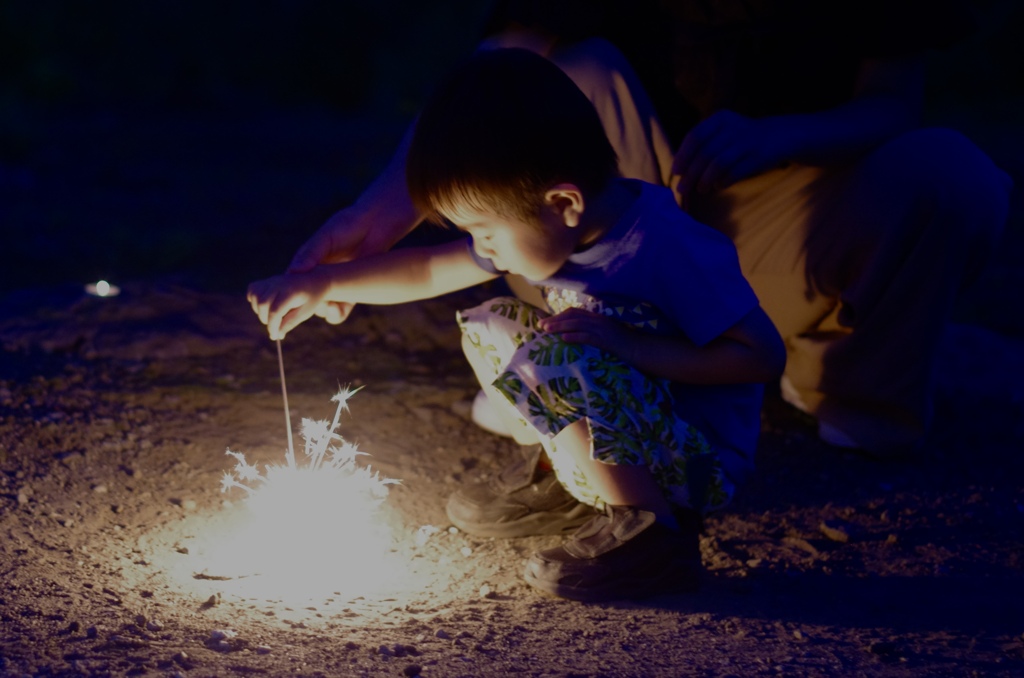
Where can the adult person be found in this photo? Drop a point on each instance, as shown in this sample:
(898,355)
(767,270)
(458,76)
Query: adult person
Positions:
(794,127)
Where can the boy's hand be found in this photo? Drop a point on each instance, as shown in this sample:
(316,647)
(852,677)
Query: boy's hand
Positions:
(584,327)
(286,301)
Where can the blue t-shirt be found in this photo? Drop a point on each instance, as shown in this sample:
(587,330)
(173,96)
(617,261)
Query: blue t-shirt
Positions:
(658,254)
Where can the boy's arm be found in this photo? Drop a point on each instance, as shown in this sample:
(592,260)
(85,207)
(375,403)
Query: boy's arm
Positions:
(285,301)
(751,351)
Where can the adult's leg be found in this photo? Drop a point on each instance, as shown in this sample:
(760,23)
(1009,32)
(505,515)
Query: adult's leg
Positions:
(859,269)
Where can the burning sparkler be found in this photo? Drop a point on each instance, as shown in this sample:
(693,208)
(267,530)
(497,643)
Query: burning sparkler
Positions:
(319,519)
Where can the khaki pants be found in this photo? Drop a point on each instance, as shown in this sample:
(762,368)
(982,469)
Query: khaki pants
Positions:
(859,269)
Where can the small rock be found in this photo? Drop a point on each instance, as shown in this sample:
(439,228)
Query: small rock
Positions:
(466,551)
(74,627)
(262,649)
(424,533)
(884,648)
(100,489)
(222,634)
(442,634)
(486,591)
(154,625)
(453,530)
(180,658)
(385,650)
(754,563)
(22,499)
(412,670)
(91,632)
(835,530)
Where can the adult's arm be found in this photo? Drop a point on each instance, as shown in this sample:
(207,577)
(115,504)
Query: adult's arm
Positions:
(727,147)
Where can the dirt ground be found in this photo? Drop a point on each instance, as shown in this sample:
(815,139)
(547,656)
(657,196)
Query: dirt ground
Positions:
(115,414)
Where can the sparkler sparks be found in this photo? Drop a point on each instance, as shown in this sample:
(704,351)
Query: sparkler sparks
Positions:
(316,524)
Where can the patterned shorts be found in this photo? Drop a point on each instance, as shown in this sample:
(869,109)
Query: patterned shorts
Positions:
(550,383)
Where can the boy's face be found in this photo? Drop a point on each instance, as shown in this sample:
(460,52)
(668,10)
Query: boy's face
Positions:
(533,249)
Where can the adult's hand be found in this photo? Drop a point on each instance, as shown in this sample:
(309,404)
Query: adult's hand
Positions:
(727,147)
(340,238)
(343,237)
(383,214)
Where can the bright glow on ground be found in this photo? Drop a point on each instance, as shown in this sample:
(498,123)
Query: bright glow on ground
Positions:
(310,526)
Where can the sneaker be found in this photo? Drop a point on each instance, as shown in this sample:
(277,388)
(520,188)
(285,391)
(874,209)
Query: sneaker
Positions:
(523,500)
(827,433)
(622,553)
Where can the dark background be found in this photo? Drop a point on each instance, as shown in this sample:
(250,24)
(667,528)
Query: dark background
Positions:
(205,141)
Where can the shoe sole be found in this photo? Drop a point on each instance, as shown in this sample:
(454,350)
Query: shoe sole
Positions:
(530,525)
(670,582)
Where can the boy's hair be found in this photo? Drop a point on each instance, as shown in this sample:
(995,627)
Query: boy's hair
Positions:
(499,132)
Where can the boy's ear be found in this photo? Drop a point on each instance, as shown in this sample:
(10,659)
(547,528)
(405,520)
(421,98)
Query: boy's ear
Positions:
(566,200)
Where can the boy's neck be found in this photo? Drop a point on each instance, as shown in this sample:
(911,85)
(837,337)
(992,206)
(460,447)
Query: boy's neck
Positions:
(604,210)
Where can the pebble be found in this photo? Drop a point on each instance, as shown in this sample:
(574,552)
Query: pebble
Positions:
(262,649)
(466,551)
(100,489)
(835,531)
(486,591)
(442,634)
(154,625)
(424,533)
(180,657)
(222,634)
(22,498)
(91,632)
(412,670)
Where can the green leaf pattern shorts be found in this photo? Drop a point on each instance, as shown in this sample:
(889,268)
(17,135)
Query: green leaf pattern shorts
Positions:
(551,383)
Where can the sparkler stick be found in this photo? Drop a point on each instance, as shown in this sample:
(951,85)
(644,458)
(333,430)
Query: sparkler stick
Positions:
(287,413)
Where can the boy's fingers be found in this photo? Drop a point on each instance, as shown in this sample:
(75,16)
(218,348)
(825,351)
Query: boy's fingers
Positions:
(293,319)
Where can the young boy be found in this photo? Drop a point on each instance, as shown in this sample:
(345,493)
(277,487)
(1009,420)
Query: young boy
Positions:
(643,384)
